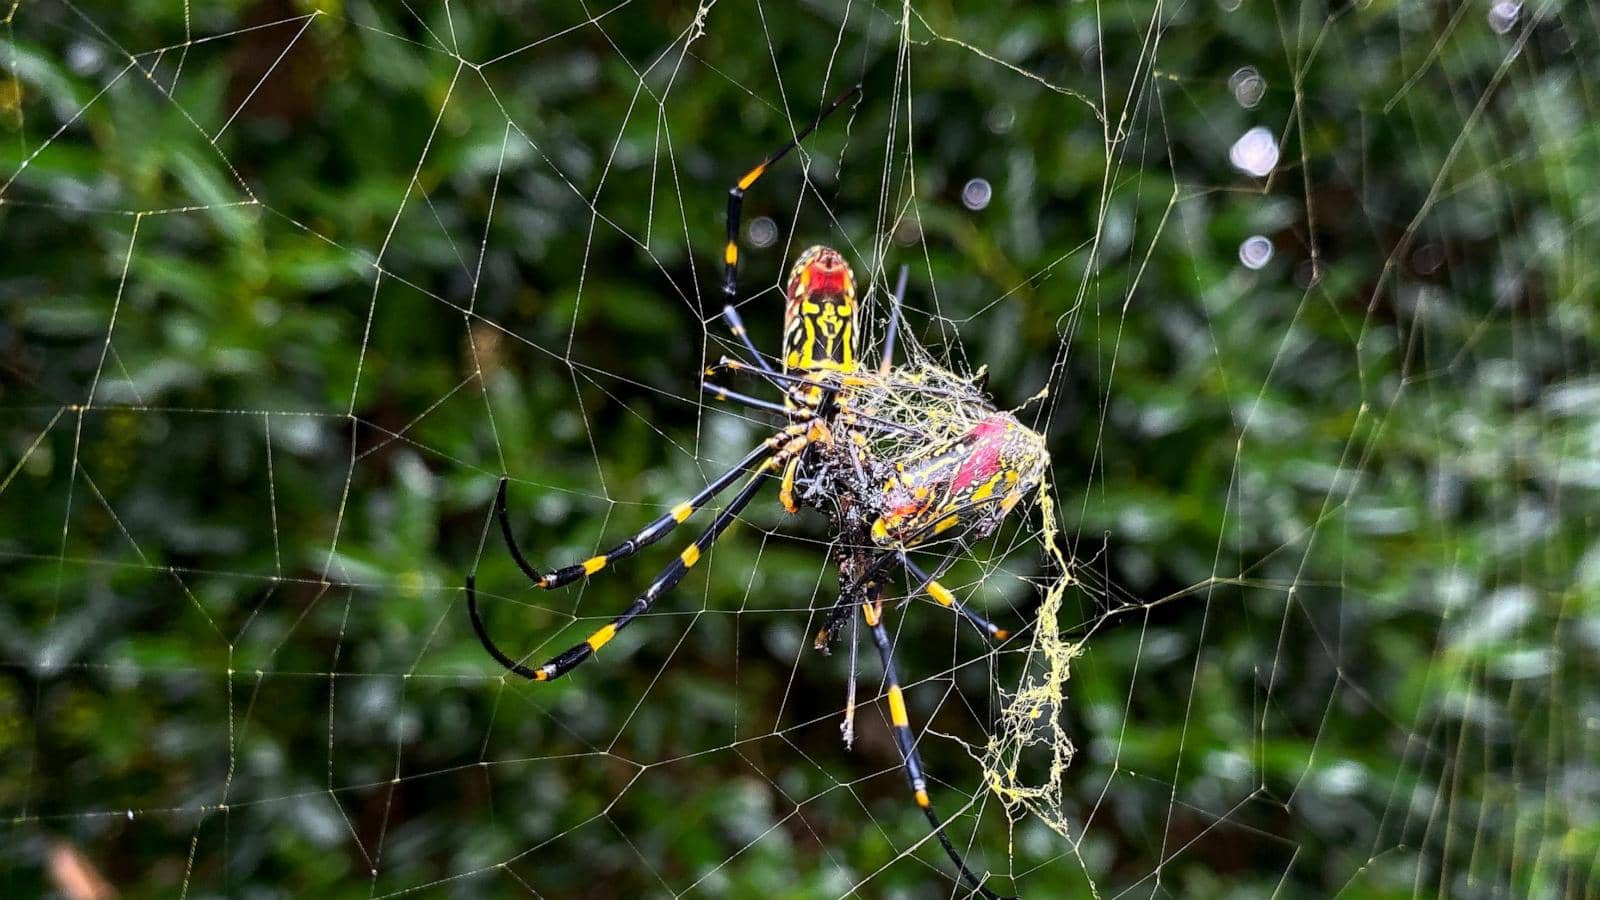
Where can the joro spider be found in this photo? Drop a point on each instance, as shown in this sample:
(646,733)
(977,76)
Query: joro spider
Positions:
(895,457)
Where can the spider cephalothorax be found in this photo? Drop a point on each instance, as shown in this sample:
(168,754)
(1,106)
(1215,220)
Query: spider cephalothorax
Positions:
(894,457)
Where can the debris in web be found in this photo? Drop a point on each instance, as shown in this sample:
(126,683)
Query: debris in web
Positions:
(1029,737)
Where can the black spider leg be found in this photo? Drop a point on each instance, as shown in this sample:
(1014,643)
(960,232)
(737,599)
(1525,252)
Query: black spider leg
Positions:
(722,393)
(669,577)
(947,598)
(872,612)
(887,361)
(646,536)
(736,325)
(846,379)
(730,253)
(841,606)
(784,378)
(730,258)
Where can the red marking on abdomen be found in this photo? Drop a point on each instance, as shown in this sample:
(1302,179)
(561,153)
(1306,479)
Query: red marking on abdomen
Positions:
(826,280)
(984,460)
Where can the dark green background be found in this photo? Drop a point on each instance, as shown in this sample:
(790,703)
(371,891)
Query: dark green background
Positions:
(1333,518)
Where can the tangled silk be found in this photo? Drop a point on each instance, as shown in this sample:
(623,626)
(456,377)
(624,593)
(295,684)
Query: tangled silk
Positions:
(1027,756)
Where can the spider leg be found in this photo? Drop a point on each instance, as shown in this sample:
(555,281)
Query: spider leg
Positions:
(651,533)
(887,362)
(722,393)
(872,613)
(786,488)
(730,258)
(841,380)
(803,413)
(881,563)
(736,325)
(669,577)
(840,610)
(735,365)
(948,600)
(848,416)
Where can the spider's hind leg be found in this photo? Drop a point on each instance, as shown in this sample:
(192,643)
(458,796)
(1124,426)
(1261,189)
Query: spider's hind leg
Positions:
(569,659)
(899,719)
(947,598)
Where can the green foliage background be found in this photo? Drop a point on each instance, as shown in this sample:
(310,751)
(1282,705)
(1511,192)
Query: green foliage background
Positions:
(1334,517)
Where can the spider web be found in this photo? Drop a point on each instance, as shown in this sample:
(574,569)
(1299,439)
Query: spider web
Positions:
(1308,608)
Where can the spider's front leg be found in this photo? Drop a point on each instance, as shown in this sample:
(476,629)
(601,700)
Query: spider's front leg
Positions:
(668,578)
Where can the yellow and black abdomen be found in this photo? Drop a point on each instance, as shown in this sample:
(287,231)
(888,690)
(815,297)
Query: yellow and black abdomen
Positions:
(819,323)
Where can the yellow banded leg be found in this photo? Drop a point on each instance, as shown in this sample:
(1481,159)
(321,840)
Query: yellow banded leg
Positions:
(652,532)
(947,598)
(669,577)
(730,251)
(736,324)
(900,721)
